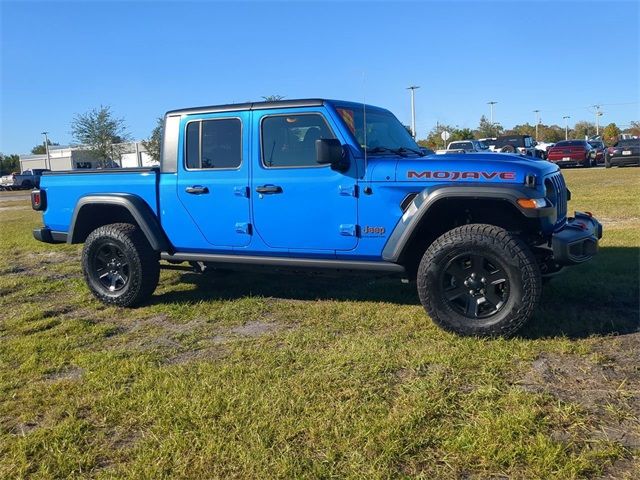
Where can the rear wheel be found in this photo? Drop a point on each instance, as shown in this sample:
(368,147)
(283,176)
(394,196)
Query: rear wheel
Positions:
(119,265)
(479,280)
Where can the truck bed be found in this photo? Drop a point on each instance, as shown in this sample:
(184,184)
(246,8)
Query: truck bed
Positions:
(64,189)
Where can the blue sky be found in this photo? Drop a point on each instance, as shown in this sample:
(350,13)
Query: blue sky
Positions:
(143,58)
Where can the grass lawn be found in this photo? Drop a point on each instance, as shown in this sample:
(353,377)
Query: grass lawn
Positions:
(243,375)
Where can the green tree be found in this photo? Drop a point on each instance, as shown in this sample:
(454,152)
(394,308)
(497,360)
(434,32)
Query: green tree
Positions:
(434,139)
(100,132)
(610,134)
(486,129)
(524,129)
(582,129)
(9,164)
(40,148)
(152,144)
(550,133)
(273,98)
(463,134)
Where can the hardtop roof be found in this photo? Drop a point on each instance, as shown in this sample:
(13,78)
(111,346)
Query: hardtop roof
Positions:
(237,107)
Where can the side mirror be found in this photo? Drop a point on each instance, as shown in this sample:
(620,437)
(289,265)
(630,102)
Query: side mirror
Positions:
(329,151)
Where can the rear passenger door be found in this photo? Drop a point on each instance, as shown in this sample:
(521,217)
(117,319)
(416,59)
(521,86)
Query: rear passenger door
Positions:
(213,177)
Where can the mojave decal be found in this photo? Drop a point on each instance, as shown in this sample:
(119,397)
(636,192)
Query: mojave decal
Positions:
(444,175)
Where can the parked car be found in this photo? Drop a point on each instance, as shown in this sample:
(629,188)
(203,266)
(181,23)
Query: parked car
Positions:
(489,142)
(522,144)
(296,184)
(464,146)
(542,149)
(600,148)
(21,181)
(624,152)
(572,153)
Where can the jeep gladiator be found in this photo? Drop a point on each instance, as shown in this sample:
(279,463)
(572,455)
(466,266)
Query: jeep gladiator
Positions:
(330,186)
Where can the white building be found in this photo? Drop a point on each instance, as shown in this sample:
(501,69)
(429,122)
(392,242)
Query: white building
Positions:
(71,158)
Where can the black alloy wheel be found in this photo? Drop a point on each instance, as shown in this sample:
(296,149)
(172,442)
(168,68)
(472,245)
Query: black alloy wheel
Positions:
(474,285)
(110,267)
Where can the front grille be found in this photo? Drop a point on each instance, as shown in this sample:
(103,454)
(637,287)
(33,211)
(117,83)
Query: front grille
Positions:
(559,195)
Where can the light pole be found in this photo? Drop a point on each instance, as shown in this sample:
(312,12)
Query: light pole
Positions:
(598,115)
(566,127)
(491,104)
(413,89)
(46,148)
(537,112)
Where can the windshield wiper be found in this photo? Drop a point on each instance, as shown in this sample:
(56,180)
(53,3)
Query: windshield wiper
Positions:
(385,149)
(412,150)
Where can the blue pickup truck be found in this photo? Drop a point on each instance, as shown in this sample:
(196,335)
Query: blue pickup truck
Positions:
(324,185)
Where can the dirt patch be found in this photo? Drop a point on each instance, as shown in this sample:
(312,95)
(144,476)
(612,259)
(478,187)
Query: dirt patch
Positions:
(605,384)
(21,207)
(21,428)
(255,328)
(609,222)
(72,373)
(205,354)
(57,257)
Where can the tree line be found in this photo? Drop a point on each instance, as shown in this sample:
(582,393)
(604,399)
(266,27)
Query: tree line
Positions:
(545,133)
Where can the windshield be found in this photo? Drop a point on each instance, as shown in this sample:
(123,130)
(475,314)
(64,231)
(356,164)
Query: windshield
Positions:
(630,142)
(384,131)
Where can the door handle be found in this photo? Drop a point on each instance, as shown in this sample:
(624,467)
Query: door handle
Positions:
(197,190)
(269,189)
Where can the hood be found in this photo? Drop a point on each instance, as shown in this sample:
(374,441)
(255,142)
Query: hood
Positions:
(467,167)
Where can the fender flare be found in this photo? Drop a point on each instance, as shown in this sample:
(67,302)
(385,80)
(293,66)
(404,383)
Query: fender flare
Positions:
(428,197)
(136,206)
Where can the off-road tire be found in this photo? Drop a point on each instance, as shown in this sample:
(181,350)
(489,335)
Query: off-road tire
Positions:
(143,268)
(514,258)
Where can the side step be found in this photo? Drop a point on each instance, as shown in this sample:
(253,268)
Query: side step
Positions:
(222,259)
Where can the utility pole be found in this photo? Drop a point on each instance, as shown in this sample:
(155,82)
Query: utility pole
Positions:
(413,89)
(537,112)
(566,127)
(491,104)
(46,148)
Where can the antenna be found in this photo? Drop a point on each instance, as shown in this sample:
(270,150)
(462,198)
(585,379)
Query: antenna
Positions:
(413,89)
(364,123)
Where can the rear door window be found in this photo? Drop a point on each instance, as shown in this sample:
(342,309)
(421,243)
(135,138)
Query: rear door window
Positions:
(215,143)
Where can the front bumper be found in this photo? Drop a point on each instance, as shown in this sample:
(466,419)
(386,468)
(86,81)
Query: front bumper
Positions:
(577,241)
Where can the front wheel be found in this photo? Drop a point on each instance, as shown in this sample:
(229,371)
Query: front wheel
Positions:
(479,280)
(119,265)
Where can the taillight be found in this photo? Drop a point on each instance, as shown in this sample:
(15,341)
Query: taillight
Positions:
(38,200)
